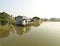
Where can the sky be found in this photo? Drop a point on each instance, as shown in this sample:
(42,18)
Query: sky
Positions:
(31,8)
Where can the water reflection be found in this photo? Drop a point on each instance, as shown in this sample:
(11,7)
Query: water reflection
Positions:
(4,31)
(45,35)
(36,23)
(15,34)
(22,29)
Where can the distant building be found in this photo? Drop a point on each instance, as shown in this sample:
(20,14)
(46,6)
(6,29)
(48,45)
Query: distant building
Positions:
(21,20)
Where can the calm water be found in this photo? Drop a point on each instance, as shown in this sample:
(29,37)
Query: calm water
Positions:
(45,34)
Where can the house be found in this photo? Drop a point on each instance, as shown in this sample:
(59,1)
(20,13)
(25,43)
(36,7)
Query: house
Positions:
(21,20)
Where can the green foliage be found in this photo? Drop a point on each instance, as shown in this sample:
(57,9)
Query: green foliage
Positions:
(35,18)
(4,17)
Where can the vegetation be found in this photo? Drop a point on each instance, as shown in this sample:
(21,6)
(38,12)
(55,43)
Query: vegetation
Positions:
(35,18)
(7,24)
(5,18)
(5,30)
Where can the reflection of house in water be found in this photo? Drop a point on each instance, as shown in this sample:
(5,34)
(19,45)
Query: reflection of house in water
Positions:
(22,29)
(21,20)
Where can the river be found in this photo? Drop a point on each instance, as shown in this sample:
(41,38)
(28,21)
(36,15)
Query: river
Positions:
(45,34)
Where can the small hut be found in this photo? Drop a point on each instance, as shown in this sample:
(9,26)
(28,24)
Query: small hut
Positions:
(21,20)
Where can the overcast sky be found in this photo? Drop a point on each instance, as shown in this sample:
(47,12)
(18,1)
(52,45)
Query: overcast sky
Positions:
(31,8)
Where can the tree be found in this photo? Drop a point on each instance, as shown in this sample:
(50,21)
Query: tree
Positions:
(36,18)
(4,18)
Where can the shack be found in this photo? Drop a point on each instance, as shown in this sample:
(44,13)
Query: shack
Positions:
(21,20)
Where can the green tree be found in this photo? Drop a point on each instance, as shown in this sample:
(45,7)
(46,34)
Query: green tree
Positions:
(4,18)
(36,18)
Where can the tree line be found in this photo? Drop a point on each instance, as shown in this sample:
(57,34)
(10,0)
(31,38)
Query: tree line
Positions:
(6,18)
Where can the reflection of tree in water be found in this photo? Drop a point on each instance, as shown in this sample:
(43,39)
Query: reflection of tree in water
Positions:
(36,23)
(4,32)
(22,29)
